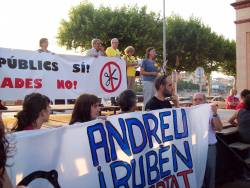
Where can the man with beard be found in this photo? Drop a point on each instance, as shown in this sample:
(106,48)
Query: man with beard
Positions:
(164,94)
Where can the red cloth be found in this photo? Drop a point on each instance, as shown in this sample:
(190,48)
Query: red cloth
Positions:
(240,106)
(232,99)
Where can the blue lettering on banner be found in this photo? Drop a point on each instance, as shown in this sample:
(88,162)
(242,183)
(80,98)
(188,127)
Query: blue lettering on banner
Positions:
(114,134)
(151,133)
(97,145)
(135,122)
(142,174)
(165,126)
(151,166)
(187,161)
(124,180)
(184,123)
(162,161)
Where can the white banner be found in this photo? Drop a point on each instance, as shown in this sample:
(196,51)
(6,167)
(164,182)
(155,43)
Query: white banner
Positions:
(59,76)
(159,149)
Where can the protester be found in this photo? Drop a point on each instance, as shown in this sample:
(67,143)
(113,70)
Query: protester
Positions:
(43,43)
(241,105)
(243,95)
(149,72)
(86,109)
(242,119)
(215,124)
(131,66)
(96,49)
(127,101)
(113,51)
(164,88)
(35,112)
(232,101)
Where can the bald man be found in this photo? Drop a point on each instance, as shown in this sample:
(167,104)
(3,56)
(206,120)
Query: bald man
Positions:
(215,124)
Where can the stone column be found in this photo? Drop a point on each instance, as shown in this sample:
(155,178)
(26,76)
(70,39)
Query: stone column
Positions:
(242,22)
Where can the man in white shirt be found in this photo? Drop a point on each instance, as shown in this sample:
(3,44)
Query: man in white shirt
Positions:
(96,49)
(215,124)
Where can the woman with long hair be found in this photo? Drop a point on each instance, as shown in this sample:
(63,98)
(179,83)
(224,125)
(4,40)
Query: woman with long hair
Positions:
(149,72)
(35,112)
(86,109)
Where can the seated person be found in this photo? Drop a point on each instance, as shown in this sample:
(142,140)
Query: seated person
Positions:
(127,101)
(86,109)
(243,118)
(243,95)
(164,89)
(35,112)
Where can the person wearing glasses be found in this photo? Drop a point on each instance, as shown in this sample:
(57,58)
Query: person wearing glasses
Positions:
(164,94)
(113,51)
(215,124)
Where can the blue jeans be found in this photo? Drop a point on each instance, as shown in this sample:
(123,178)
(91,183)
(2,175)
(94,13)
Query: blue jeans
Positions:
(148,91)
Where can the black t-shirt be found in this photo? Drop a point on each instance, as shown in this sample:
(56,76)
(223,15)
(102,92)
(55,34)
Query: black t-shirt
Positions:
(244,125)
(156,104)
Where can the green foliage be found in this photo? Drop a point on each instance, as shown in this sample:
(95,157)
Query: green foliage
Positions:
(193,42)
(229,64)
(184,85)
(131,25)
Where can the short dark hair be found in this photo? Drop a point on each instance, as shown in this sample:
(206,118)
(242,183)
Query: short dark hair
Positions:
(42,40)
(126,100)
(82,109)
(247,102)
(161,80)
(244,93)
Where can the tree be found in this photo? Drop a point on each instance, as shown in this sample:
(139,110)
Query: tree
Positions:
(131,25)
(229,64)
(190,41)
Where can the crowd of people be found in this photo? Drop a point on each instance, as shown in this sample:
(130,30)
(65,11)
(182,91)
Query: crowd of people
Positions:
(158,93)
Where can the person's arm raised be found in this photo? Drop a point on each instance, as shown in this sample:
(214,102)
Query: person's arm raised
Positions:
(216,122)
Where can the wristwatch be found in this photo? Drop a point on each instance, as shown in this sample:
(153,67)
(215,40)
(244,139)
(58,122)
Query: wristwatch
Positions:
(215,115)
